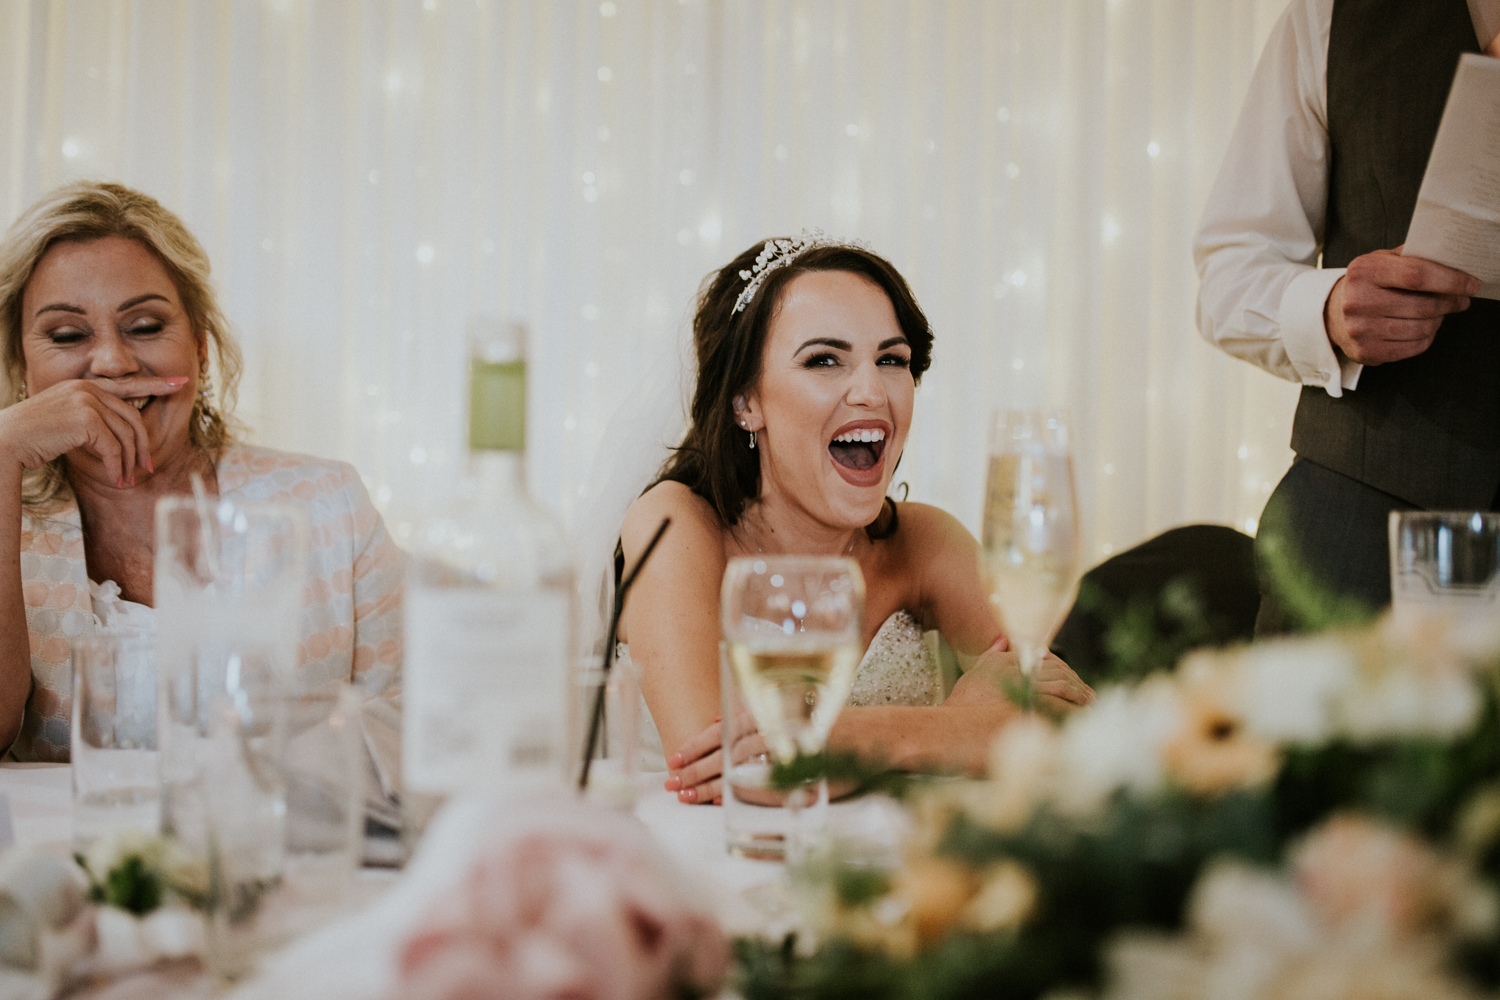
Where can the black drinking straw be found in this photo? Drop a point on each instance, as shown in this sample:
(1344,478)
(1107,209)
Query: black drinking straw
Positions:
(609,651)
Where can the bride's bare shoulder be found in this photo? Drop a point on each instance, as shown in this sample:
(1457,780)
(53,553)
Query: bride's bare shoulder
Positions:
(694,521)
(931,531)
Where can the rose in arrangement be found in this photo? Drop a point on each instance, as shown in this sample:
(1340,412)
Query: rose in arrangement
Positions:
(565,915)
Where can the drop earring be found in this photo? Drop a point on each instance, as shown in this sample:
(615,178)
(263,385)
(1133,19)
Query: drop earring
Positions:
(752,440)
(205,402)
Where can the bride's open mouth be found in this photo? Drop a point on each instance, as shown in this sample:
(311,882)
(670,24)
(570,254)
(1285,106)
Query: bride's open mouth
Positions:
(141,402)
(858,454)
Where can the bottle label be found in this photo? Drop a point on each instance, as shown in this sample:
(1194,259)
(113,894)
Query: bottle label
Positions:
(484,694)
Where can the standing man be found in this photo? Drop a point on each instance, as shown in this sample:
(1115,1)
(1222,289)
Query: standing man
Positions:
(1399,366)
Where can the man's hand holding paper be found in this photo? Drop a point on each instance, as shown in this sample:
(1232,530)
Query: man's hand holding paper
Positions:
(1387,306)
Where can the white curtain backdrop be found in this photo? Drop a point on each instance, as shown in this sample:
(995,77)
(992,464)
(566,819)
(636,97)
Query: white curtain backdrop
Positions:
(369,176)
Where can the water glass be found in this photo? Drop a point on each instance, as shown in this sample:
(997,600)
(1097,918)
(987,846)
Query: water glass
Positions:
(240,800)
(613,769)
(793,635)
(325,769)
(116,783)
(1445,563)
(229,579)
(755,823)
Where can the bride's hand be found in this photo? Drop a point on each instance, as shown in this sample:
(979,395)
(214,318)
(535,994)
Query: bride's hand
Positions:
(697,768)
(1059,689)
(91,414)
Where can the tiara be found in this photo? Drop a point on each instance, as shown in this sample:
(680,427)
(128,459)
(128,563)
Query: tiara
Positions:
(779,253)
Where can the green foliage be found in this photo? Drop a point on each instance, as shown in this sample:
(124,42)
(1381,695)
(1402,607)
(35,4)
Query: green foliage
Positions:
(1147,633)
(1134,866)
(130,885)
(846,770)
(962,966)
(858,886)
(1421,784)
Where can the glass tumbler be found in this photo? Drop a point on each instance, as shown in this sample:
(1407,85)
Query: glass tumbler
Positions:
(116,783)
(1445,563)
(229,579)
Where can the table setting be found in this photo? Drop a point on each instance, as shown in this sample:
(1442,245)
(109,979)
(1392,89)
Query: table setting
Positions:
(1260,820)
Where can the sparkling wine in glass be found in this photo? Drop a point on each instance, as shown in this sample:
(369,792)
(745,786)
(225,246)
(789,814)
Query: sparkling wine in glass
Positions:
(1030,544)
(792,625)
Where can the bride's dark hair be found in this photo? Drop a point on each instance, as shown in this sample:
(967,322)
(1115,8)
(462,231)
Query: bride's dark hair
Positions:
(714,460)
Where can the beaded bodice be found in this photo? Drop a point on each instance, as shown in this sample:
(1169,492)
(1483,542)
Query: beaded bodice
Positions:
(898,668)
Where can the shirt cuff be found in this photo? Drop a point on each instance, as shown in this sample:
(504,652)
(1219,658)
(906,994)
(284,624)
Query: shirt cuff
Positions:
(1305,337)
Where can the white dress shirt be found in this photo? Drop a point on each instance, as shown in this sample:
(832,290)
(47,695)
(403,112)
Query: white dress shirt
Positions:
(1260,291)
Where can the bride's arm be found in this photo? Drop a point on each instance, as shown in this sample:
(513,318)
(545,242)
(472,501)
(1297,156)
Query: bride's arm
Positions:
(671,618)
(952,739)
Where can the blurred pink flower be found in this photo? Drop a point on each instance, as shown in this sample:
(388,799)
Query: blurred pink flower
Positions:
(564,916)
(1374,880)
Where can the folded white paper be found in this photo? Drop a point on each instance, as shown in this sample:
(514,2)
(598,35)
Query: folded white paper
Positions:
(1457,220)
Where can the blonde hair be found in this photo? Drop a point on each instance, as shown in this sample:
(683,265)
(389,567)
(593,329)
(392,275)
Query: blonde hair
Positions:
(90,210)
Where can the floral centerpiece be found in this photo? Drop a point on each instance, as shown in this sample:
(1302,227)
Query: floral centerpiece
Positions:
(1303,818)
(147,890)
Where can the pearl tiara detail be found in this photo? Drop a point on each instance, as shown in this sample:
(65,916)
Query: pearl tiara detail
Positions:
(779,253)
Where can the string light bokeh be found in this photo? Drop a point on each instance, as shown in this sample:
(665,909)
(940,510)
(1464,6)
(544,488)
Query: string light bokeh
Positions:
(368,177)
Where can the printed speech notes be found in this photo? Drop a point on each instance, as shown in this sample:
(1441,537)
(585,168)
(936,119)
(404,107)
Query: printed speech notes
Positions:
(1457,221)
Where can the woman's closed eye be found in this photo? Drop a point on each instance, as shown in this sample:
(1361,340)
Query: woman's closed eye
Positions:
(66,335)
(146,328)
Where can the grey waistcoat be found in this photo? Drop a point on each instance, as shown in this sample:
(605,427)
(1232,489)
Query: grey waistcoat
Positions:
(1427,429)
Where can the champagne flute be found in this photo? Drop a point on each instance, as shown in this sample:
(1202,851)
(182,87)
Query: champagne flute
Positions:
(1030,544)
(792,625)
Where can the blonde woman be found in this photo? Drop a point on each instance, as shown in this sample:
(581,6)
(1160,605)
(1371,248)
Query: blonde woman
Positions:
(117,382)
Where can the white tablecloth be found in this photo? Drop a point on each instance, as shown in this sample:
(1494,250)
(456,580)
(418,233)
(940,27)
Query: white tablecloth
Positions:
(39,798)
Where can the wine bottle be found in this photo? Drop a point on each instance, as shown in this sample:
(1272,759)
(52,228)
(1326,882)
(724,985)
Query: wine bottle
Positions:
(488,611)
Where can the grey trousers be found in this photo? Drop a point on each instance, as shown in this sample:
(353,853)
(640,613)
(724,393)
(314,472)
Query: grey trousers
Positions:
(1335,528)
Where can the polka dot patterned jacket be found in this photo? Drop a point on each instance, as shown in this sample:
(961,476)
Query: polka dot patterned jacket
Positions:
(351,609)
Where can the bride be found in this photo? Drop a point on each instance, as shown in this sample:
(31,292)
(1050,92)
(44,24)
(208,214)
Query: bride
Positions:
(809,352)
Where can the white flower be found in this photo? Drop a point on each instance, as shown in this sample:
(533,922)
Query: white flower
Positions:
(1023,773)
(1006,897)
(1235,899)
(1288,689)
(1117,743)
(1144,965)
(1401,702)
